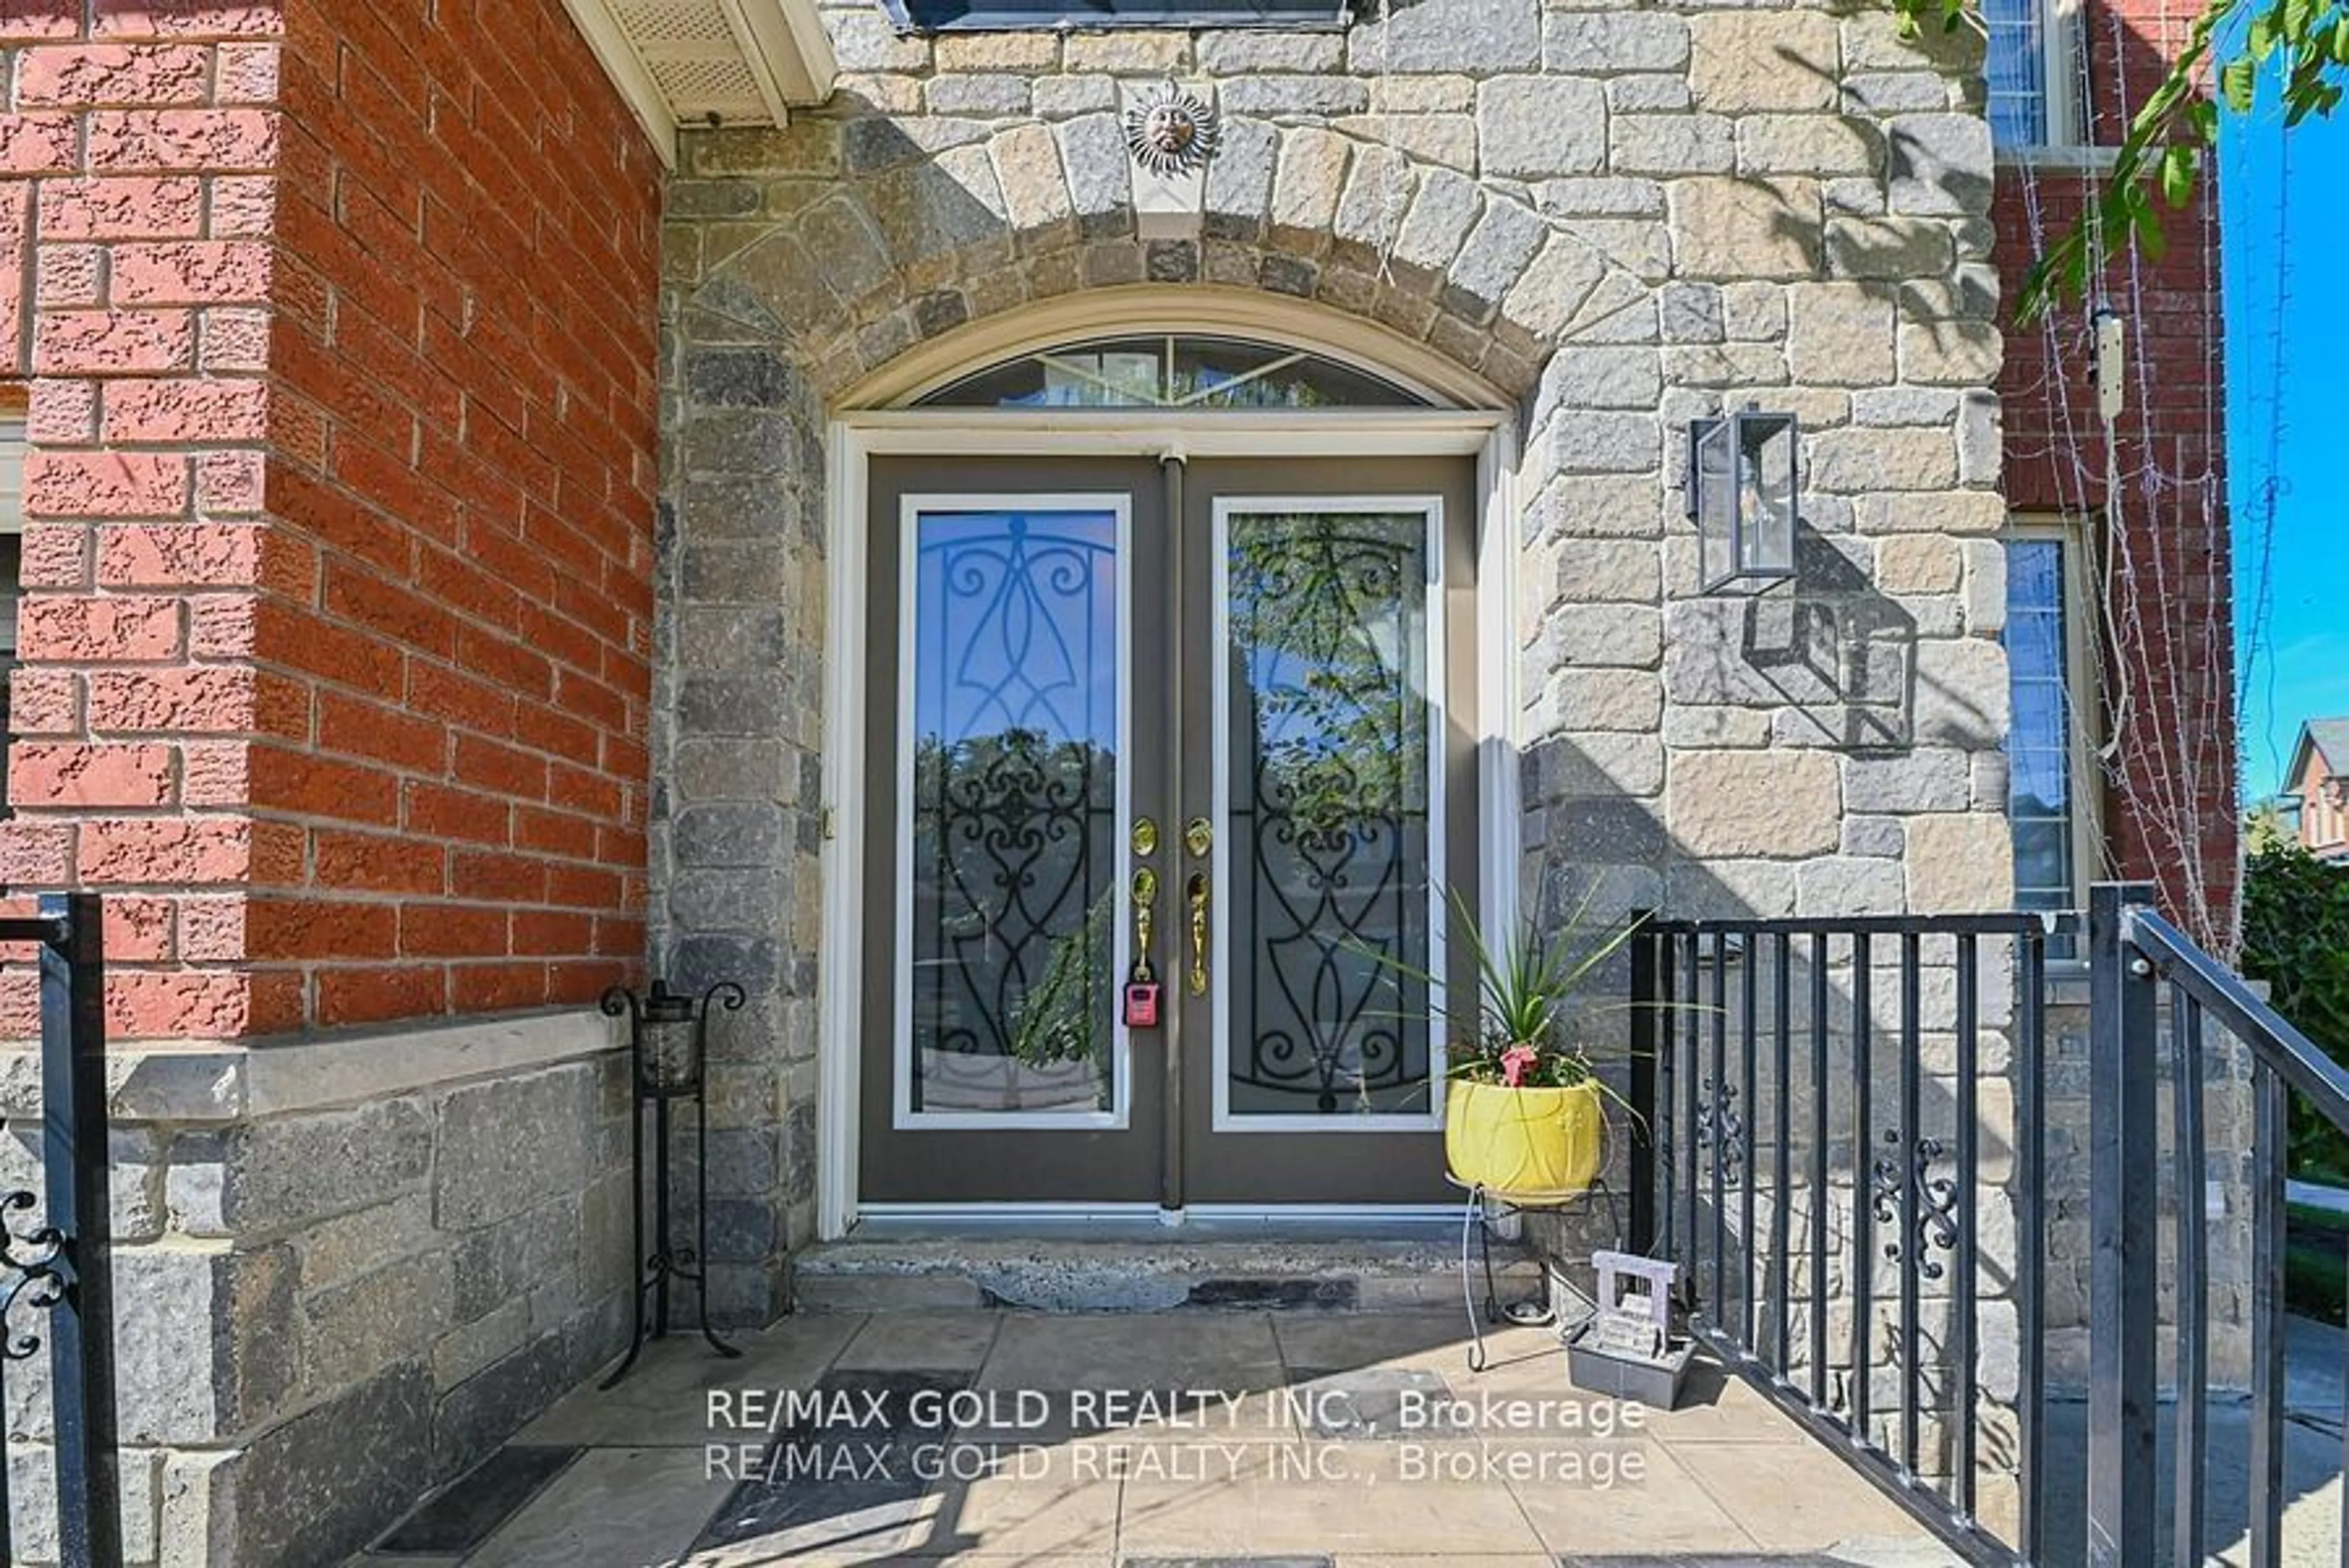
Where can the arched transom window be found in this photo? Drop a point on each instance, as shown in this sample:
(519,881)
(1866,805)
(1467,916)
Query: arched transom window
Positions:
(1174,371)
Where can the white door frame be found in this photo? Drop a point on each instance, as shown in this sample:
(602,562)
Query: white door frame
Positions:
(852,441)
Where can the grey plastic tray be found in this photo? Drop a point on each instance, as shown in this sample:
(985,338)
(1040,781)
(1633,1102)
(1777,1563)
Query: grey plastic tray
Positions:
(1656,1384)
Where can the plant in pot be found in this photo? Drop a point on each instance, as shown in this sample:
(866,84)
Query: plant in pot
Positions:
(1525,1106)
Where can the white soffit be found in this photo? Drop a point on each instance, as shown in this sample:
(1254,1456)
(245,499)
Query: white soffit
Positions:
(681,62)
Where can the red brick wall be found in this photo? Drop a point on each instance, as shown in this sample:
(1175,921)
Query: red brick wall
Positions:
(342,360)
(465,343)
(2168,674)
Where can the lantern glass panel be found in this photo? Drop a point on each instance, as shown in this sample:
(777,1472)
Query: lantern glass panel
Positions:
(672,1051)
(1713,475)
(1765,496)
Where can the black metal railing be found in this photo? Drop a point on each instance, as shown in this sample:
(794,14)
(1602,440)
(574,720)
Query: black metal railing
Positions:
(2218,1030)
(54,1285)
(1811,1096)
(1837,1118)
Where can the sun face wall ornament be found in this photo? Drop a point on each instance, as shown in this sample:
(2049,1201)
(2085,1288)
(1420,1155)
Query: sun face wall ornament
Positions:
(1170,135)
(1169,129)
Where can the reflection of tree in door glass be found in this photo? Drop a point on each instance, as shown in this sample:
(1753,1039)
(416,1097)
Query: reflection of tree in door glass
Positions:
(1330,801)
(1015,722)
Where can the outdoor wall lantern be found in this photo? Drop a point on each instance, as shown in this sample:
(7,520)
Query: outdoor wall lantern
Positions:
(668,1053)
(1742,494)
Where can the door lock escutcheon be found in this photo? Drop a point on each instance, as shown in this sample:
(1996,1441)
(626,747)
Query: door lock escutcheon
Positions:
(1199,837)
(1197,890)
(1144,838)
(1145,900)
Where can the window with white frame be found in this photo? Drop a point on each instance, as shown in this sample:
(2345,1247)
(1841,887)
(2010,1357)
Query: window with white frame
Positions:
(2030,71)
(2050,794)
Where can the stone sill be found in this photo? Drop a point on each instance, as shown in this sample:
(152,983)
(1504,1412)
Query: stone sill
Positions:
(293,1074)
(2076,159)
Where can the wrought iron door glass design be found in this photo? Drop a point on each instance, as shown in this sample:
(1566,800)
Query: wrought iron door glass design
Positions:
(1011,813)
(1328,721)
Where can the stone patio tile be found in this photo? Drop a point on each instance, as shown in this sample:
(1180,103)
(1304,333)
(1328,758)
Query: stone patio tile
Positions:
(1435,1341)
(1519,1358)
(614,1506)
(1718,1408)
(1359,1499)
(1053,1515)
(1792,1498)
(1369,1404)
(910,1513)
(875,1531)
(821,1496)
(1738,1560)
(665,1398)
(1135,1350)
(1663,1510)
(1078,1362)
(855,1473)
(894,1341)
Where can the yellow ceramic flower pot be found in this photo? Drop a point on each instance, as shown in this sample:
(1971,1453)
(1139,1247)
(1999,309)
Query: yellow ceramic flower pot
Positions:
(1535,1146)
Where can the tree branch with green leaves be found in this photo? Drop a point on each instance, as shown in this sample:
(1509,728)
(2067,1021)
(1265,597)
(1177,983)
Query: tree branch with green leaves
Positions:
(2160,162)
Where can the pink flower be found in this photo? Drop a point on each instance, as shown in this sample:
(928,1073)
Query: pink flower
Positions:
(1515,1062)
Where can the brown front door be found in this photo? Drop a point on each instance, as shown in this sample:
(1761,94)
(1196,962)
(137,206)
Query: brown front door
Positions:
(1208,726)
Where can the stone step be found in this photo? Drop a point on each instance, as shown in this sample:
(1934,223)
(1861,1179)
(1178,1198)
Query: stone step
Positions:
(884,1267)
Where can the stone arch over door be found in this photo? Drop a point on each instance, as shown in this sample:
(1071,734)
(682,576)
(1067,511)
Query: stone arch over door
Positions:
(855,243)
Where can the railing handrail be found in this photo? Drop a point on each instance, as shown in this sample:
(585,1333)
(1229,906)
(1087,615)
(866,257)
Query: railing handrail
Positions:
(2270,1036)
(2010,923)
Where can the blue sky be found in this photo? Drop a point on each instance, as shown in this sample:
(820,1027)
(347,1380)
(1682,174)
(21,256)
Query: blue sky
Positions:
(2284,411)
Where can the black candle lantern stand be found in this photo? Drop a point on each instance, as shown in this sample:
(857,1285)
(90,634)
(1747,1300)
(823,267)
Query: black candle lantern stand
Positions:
(669,1037)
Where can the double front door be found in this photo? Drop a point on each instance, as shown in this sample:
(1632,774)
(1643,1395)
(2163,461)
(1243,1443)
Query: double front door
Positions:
(1170,783)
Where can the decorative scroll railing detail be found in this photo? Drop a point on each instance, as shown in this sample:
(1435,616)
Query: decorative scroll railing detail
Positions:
(1937,1201)
(1717,1119)
(30,1281)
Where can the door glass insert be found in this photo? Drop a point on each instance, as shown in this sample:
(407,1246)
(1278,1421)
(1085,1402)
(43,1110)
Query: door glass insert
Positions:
(1011,807)
(1329,806)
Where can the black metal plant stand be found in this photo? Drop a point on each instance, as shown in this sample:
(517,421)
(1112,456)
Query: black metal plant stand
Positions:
(1476,1231)
(667,1054)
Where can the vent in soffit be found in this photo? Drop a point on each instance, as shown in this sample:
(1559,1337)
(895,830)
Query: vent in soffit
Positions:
(691,52)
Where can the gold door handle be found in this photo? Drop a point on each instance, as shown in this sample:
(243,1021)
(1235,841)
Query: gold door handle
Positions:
(1146,898)
(1197,888)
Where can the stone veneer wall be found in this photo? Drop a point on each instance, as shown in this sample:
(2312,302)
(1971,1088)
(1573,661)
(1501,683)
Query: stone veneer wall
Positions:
(737,819)
(344,1273)
(1616,217)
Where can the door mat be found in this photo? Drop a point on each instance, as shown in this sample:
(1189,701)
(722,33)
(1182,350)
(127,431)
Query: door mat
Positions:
(464,1513)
